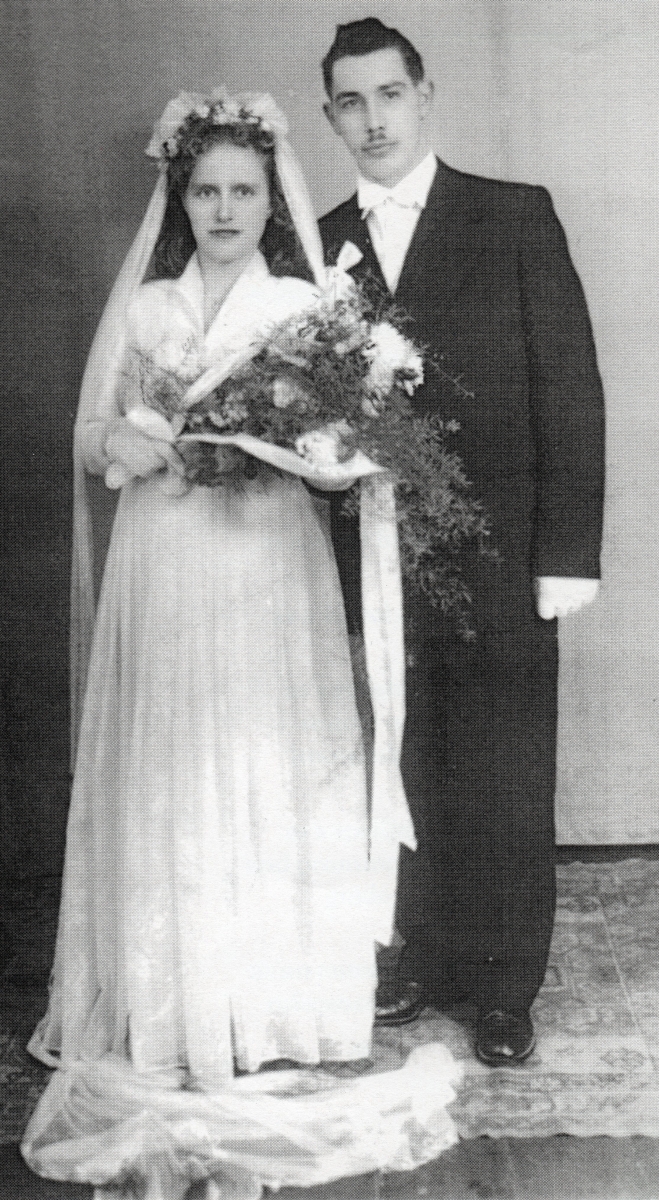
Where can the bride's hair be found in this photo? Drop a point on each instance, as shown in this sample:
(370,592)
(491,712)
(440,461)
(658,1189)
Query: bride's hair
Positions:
(176,243)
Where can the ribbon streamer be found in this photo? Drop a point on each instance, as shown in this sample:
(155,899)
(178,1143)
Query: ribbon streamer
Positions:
(382,606)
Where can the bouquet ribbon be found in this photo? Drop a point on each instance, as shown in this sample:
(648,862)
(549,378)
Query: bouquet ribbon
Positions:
(382,605)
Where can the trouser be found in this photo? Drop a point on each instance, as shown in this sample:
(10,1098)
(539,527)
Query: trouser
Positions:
(476,901)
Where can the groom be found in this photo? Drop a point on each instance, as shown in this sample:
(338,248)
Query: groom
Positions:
(483,269)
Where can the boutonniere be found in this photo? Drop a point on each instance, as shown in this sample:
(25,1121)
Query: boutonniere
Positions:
(339,285)
(348,257)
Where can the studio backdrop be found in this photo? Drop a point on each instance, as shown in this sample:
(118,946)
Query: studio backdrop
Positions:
(559,92)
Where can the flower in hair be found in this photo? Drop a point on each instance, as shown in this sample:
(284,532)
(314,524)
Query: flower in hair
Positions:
(165,129)
(252,108)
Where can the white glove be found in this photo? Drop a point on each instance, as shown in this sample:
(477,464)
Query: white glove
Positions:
(141,444)
(557,597)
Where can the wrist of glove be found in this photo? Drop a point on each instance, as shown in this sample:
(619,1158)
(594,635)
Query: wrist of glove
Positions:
(559,597)
(130,453)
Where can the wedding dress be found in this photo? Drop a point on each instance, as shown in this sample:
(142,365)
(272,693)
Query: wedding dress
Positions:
(214,910)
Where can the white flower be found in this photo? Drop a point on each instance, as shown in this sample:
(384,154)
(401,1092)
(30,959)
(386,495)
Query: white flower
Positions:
(322,447)
(388,353)
(225,112)
(389,346)
(283,394)
(230,107)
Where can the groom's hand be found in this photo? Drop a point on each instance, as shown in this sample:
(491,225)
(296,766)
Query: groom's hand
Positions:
(558,597)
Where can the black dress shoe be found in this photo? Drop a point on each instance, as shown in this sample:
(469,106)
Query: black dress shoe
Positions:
(504,1039)
(403,1008)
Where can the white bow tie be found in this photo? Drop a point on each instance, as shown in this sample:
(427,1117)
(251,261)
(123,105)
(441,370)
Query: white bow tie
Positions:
(372,195)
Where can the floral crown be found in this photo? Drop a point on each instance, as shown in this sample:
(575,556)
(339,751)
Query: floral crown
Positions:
(219,108)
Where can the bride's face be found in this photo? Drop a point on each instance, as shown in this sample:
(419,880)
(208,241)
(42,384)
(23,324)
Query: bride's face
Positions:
(228,203)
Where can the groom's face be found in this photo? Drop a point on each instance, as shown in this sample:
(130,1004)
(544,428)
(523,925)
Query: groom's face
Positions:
(380,113)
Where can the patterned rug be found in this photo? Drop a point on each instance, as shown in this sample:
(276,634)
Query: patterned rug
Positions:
(595,1069)
(596,1066)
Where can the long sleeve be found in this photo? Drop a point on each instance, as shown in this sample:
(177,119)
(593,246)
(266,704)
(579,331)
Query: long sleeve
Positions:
(566,399)
(99,405)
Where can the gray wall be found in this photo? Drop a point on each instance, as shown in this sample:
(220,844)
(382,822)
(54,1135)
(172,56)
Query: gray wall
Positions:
(562,92)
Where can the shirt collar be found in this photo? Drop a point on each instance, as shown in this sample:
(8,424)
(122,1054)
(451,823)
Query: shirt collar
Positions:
(410,192)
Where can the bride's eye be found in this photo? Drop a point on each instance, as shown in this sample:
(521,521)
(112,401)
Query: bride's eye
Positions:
(244,189)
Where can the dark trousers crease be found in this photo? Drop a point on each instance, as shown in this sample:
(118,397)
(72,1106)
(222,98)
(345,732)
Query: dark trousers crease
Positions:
(476,902)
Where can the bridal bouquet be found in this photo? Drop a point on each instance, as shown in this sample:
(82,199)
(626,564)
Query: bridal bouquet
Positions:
(333,385)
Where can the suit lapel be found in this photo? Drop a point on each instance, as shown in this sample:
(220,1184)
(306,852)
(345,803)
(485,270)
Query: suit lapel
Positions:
(444,244)
(442,252)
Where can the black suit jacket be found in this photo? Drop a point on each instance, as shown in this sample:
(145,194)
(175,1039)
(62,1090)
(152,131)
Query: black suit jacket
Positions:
(493,293)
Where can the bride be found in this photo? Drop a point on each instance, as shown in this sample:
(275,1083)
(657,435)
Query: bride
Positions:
(213,913)
(216,913)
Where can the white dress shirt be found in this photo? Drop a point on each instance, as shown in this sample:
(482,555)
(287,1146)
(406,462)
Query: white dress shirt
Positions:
(392,215)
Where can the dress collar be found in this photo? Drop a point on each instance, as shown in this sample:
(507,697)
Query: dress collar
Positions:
(191,285)
(410,192)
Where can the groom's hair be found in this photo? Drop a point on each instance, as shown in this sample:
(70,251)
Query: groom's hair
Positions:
(365,37)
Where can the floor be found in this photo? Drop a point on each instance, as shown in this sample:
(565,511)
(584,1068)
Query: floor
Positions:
(557,1168)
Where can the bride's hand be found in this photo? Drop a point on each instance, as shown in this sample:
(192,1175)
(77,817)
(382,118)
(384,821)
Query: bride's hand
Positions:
(138,454)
